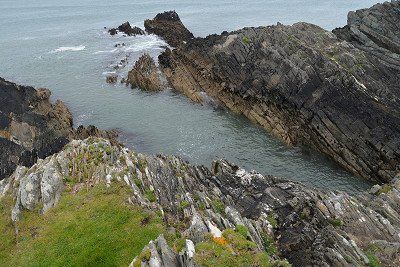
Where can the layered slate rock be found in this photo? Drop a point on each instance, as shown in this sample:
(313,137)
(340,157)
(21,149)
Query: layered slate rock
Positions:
(310,227)
(31,126)
(376,31)
(304,85)
(145,75)
(169,26)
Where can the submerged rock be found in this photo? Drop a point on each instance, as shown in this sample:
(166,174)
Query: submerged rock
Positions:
(32,127)
(112,79)
(129,30)
(113,31)
(310,227)
(168,25)
(145,74)
(306,86)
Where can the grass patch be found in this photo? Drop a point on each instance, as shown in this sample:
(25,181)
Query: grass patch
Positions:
(218,206)
(271,219)
(336,222)
(137,182)
(92,228)
(269,244)
(201,206)
(373,260)
(384,189)
(241,229)
(150,195)
(175,240)
(183,205)
(144,256)
(246,40)
(236,250)
(142,164)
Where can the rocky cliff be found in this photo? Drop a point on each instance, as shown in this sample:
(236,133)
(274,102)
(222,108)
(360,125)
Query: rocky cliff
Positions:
(336,93)
(32,127)
(221,213)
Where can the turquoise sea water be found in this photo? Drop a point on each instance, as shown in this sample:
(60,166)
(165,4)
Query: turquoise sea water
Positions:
(63,46)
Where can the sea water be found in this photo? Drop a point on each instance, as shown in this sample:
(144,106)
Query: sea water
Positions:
(63,46)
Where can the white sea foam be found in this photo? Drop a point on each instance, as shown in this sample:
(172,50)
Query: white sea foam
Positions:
(109,72)
(145,42)
(69,48)
(106,51)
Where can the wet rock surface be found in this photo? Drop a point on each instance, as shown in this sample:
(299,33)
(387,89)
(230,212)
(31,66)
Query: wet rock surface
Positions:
(168,25)
(112,79)
(310,227)
(145,75)
(305,85)
(127,29)
(32,127)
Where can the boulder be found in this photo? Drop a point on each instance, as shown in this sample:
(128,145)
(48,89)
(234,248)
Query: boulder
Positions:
(145,74)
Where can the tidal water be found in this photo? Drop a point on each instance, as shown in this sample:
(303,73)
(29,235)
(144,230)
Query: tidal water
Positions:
(63,46)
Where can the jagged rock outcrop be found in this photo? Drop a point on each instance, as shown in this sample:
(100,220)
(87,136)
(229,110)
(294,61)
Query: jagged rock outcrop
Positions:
(32,127)
(375,30)
(127,29)
(310,227)
(84,132)
(145,75)
(169,26)
(304,85)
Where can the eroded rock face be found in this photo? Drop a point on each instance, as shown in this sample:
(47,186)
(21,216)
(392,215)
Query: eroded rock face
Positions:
(31,126)
(145,75)
(168,25)
(304,85)
(310,227)
(375,30)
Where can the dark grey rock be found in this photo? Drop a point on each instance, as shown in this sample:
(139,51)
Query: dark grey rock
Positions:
(306,86)
(32,127)
(127,29)
(168,25)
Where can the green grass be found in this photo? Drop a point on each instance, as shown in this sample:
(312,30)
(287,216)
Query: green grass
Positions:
(271,219)
(92,228)
(384,189)
(241,229)
(183,204)
(246,40)
(373,260)
(150,195)
(218,206)
(269,244)
(233,249)
(336,222)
